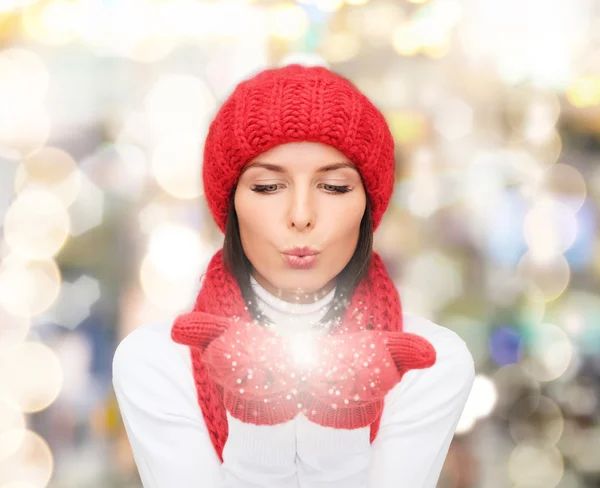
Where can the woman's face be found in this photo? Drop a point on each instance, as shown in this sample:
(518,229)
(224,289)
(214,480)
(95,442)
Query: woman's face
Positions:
(295,195)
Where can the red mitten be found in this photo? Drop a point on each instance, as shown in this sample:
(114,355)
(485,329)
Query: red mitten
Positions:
(198,329)
(250,362)
(357,371)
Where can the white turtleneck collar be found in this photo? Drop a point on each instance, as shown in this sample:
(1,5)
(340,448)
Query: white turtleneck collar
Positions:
(290,317)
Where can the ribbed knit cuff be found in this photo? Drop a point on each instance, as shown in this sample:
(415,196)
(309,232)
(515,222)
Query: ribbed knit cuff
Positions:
(198,329)
(409,351)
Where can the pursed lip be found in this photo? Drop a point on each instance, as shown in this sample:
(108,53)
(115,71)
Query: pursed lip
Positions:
(301,251)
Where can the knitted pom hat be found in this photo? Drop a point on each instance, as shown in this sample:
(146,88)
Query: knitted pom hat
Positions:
(290,104)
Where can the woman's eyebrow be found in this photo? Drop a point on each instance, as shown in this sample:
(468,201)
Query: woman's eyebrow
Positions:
(280,169)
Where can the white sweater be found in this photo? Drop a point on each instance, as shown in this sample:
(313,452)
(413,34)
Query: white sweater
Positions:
(153,381)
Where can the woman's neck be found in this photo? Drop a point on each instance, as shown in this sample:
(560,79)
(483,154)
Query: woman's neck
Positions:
(292,296)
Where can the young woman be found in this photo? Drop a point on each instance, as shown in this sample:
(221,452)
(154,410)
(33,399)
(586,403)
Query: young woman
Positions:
(296,367)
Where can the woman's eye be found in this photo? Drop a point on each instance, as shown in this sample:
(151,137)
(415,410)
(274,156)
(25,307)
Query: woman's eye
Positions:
(275,186)
(336,188)
(265,188)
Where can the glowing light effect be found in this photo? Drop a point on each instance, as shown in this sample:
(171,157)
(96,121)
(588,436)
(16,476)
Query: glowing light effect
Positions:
(550,228)
(176,166)
(169,272)
(303,350)
(31,463)
(28,288)
(287,21)
(24,124)
(562,183)
(53,170)
(538,421)
(480,404)
(179,102)
(584,91)
(36,225)
(31,376)
(530,465)
(549,352)
(453,119)
(551,276)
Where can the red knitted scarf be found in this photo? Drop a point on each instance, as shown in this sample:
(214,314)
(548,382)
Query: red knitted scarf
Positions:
(242,367)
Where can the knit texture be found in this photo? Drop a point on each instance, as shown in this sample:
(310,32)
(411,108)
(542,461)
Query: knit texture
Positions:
(225,343)
(297,103)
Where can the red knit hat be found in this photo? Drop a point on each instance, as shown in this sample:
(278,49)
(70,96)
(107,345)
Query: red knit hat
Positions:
(290,104)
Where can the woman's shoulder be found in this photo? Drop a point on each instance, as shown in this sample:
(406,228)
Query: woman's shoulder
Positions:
(148,351)
(452,352)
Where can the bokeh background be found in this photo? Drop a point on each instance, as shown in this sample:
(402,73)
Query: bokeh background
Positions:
(492,232)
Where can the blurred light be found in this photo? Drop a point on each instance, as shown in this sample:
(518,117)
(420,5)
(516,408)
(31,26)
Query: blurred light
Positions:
(153,215)
(88,209)
(128,174)
(550,150)
(179,102)
(176,165)
(580,401)
(584,91)
(537,45)
(552,276)
(11,419)
(357,2)
(24,81)
(535,467)
(578,313)
(408,127)
(13,330)
(52,23)
(341,46)
(287,21)
(505,346)
(563,183)
(51,169)
(571,479)
(585,458)
(453,119)
(28,288)
(512,384)
(550,228)
(303,349)
(31,464)
(8,5)
(169,272)
(466,422)
(24,124)
(303,58)
(541,120)
(174,249)
(448,284)
(376,22)
(36,225)
(75,302)
(75,353)
(31,376)
(424,192)
(19,484)
(532,112)
(329,5)
(405,39)
(415,301)
(481,402)
(536,421)
(548,352)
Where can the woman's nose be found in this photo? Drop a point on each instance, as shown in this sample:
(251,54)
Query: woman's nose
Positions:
(302,210)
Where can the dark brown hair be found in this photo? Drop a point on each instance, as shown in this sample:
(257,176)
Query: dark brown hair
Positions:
(346,281)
